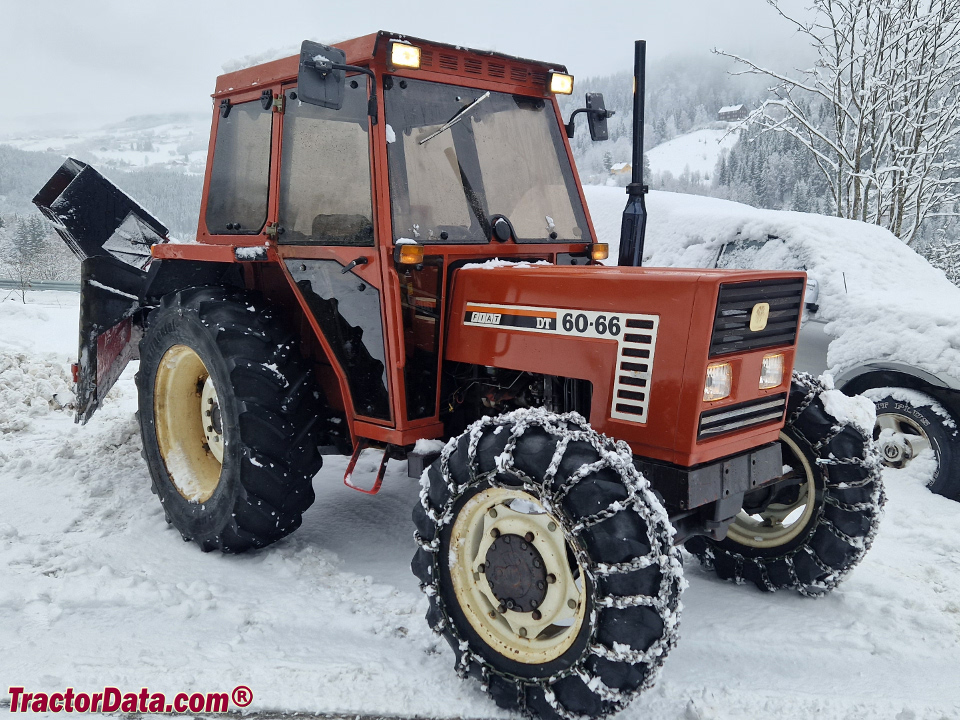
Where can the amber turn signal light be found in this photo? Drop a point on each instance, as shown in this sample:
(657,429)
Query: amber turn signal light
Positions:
(599,251)
(408,254)
(405,56)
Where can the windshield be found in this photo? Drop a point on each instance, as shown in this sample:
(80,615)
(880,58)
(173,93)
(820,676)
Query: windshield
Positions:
(502,156)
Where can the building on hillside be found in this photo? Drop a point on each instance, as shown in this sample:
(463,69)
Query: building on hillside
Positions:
(732,113)
(621,168)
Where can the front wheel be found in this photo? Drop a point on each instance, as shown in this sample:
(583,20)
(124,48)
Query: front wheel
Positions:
(809,530)
(548,564)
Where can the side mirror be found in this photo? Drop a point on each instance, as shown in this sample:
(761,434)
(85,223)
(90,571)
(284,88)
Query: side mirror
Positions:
(597,117)
(319,80)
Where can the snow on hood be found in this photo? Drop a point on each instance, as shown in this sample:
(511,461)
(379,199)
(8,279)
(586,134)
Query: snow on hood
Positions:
(880,299)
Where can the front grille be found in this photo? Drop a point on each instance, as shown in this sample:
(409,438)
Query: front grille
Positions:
(731,326)
(745,415)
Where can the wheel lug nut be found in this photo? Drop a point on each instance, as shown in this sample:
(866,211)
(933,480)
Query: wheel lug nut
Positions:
(528,537)
(207,413)
(534,603)
(540,585)
(536,615)
(501,608)
(494,533)
(537,563)
(551,578)
(506,539)
(209,428)
(481,568)
(523,546)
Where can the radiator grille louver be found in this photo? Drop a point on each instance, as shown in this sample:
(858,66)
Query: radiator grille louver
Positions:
(631,387)
(745,415)
(731,327)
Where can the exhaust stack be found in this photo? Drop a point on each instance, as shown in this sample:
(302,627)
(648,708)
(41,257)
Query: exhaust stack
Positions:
(633,227)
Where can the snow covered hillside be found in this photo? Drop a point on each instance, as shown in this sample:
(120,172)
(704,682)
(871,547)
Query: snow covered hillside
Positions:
(696,151)
(96,589)
(176,141)
(881,298)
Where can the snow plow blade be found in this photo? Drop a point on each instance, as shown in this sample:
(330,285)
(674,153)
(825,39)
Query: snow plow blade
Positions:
(112,235)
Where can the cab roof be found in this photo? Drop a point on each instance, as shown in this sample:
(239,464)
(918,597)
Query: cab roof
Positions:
(435,57)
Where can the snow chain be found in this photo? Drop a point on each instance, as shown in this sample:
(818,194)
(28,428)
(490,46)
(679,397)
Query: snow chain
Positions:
(569,427)
(870,461)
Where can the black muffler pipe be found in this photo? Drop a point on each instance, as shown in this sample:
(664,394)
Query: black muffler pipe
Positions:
(633,228)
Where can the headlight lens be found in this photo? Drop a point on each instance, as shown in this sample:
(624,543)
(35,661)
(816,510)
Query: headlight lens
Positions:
(719,382)
(771,371)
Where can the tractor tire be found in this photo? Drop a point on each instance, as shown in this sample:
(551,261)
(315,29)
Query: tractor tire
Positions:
(548,564)
(230,418)
(809,535)
(909,422)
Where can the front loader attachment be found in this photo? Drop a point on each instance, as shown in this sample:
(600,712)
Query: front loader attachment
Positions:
(112,235)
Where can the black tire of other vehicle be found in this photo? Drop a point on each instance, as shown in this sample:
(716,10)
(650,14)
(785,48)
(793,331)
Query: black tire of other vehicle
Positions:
(944,440)
(269,408)
(615,530)
(844,468)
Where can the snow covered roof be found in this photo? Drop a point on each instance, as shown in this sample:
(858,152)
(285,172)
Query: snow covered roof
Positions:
(730,108)
(881,300)
(620,166)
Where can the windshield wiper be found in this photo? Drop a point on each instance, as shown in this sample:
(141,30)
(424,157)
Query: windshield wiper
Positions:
(457,118)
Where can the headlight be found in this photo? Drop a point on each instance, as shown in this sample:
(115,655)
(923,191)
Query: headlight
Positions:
(403,55)
(771,371)
(719,382)
(561,84)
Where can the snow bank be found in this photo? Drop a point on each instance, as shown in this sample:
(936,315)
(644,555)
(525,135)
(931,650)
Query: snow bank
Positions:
(882,300)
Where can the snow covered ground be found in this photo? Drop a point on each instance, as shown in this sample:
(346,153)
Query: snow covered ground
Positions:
(696,151)
(96,589)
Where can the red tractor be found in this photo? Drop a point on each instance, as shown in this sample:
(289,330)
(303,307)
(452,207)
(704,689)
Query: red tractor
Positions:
(394,247)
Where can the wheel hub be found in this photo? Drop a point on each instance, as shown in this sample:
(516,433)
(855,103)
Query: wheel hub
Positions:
(212,418)
(515,571)
(900,438)
(514,577)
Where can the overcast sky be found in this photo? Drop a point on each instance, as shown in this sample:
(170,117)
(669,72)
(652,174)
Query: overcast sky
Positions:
(77,63)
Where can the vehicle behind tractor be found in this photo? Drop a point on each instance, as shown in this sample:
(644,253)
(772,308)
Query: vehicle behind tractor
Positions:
(394,248)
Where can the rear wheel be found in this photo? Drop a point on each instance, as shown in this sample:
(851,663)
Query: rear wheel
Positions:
(230,419)
(808,531)
(548,564)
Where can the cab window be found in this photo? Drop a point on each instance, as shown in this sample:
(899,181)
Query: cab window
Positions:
(240,176)
(325,172)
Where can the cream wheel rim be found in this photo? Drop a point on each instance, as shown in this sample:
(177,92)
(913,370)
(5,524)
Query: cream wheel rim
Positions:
(779,523)
(546,622)
(188,423)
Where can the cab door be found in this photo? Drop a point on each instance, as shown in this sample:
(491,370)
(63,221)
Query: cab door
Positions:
(325,230)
